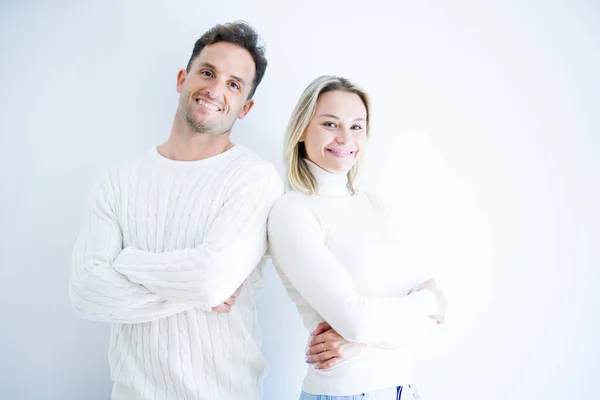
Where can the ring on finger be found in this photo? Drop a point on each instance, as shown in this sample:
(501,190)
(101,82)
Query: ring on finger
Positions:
(323,347)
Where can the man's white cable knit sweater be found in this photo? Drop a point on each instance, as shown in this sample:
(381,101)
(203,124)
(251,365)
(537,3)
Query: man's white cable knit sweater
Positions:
(162,242)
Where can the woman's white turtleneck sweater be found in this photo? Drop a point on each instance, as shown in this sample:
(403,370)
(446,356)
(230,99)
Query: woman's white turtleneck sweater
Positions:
(337,257)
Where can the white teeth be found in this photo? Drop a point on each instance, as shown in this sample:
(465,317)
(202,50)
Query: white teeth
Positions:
(341,152)
(207,105)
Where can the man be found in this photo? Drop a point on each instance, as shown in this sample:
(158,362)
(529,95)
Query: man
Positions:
(170,242)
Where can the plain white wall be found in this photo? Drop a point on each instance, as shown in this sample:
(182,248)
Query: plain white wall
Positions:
(486,132)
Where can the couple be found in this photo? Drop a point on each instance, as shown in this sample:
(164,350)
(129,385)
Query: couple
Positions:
(171,246)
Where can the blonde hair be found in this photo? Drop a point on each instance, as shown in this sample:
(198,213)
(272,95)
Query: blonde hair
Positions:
(299,177)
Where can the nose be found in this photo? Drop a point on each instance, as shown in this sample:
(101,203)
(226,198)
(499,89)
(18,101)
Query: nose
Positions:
(343,136)
(214,90)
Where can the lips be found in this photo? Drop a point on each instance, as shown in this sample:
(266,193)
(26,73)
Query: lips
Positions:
(209,105)
(341,153)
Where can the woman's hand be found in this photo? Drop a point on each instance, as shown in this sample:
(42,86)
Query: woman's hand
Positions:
(430,285)
(327,348)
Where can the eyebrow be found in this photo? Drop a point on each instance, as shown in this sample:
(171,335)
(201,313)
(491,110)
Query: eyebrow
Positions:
(209,65)
(336,117)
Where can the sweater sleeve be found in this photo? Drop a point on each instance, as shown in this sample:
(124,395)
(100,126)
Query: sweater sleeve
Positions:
(298,248)
(419,274)
(231,249)
(96,290)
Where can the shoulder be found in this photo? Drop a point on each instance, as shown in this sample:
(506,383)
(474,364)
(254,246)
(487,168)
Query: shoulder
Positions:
(247,174)
(248,159)
(374,198)
(382,204)
(291,209)
(249,166)
(293,200)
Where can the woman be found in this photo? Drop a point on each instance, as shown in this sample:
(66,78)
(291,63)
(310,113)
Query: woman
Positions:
(334,250)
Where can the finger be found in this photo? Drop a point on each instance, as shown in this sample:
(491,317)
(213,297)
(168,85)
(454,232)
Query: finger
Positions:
(237,292)
(322,327)
(321,348)
(327,336)
(314,350)
(332,362)
(428,284)
(230,301)
(223,307)
(315,358)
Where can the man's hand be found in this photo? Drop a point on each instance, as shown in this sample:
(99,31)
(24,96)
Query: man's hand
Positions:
(440,316)
(327,348)
(227,304)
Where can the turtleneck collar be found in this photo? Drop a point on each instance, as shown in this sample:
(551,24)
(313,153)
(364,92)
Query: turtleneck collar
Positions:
(329,184)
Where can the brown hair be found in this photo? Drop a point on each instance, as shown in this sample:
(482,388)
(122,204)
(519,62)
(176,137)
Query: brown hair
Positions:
(241,34)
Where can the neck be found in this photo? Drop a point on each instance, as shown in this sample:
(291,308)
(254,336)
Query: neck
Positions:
(185,144)
(329,184)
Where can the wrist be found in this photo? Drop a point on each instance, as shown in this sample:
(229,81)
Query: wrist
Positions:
(427,301)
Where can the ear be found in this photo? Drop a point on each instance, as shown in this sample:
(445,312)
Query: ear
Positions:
(246,109)
(181,75)
(302,137)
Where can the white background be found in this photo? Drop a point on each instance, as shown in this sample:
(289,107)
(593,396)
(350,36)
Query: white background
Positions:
(486,131)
